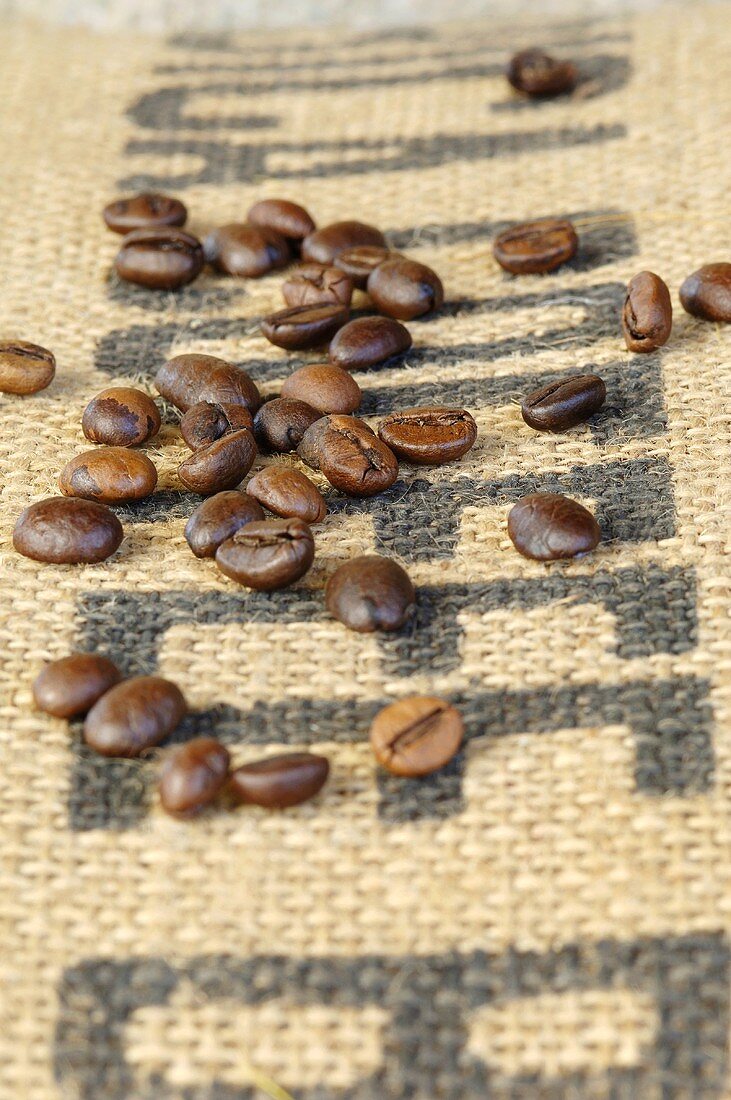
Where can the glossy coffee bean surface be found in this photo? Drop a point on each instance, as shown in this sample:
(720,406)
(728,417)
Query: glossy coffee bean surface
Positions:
(359,262)
(134,716)
(70,686)
(246,251)
(24,367)
(207,421)
(350,455)
(405,289)
(268,555)
(161,259)
(534,248)
(220,465)
(192,775)
(549,526)
(121,417)
(416,735)
(370,593)
(67,531)
(301,327)
(280,424)
(564,404)
(218,518)
(707,293)
(647,314)
(288,492)
(110,475)
(367,342)
(186,380)
(324,387)
(278,782)
(429,435)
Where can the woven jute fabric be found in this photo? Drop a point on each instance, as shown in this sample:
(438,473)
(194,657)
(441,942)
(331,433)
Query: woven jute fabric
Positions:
(550,917)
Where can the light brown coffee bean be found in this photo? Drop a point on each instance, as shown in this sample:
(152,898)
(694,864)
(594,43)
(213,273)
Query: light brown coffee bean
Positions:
(187,380)
(533,248)
(218,518)
(220,465)
(162,259)
(370,593)
(430,435)
(247,251)
(280,424)
(367,342)
(302,327)
(134,716)
(416,735)
(192,775)
(287,492)
(145,211)
(70,686)
(278,782)
(207,421)
(360,261)
(25,368)
(324,245)
(283,216)
(268,555)
(110,475)
(121,417)
(405,289)
(312,284)
(707,293)
(549,526)
(67,531)
(324,387)
(647,315)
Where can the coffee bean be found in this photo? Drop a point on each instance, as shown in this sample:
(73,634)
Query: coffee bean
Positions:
(207,421)
(67,531)
(146,211)
(309,448)
(220,465)
(247,251)
(110,475)
(325,244)
(405,289)
(647,315)
(350,455)
(370,593)
(360,261)
(162,259)
(134,716)
(186,380)
(287,218)
(121,417)
(533,248)
(564,404)
(367,342)
(535,73)
(192,775)
(327,388)
(69,687)
(416,735)
(430,435)
(280,424)
(217,519)
(707,293)
(304,326)
(548,526)
(287,492)
(268,555)
(280,781)
(311,284)
(25,368)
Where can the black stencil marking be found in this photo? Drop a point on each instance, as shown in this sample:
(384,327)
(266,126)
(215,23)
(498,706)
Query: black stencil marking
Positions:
(207,295)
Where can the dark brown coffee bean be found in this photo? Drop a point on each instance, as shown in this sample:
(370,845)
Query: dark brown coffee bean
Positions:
(280,424)
(162,259)
(309,448)
(405,289)
(192,775)
(71,686)
(25,368)
(186,380)
(220,465)
(67,531)
(533,248)
(287,492)
(280,781)
(647,315)
(133,716)
(564,404)
(121,417)
(110,475)
(370,593)
(146,211)
(311,284)
(268,555)
(327,388)
(430,435)
(218,518)
(535,73)
(247,251)
(350,455)
(304,326)
(548,526)
(284,217)
(416,735)
(325,244)
(360,261)
(207,421)
(707,293)
(367,342)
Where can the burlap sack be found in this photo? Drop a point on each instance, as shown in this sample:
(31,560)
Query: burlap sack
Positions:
(550,917)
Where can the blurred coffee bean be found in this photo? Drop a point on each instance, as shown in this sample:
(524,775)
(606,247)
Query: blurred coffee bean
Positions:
(192,775)
(287,218)
(134,716)
(325,244)
(405,289)
(360,261)
(301,327)
(311,284)
(707,293)
(247,251)
(278,782)
(146,211)
(70,686)
(536,73)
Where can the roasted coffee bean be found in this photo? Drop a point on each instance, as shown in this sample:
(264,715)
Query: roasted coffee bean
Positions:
(192,775)
(325,244)
(351,456)
(309,448)
(134,716)
(535,73)
(110,475)
(533,248)
(647,316)
(268,555)
(360,261)
(69,687)
(367,342)
(220,465)
(218,518)
(548,526)
(25,368)
(67,531)
(146,211)
(405,289)
(121,417)
(186,380)
(284,217)
(247,251)
(707,293)
(370,593)
(327,388)
(280,424)
(416,735)
(564,404)
(162,259)
(287,492)
(304,326)
(280,781)
(207,421)
(311,284)
(430,435)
